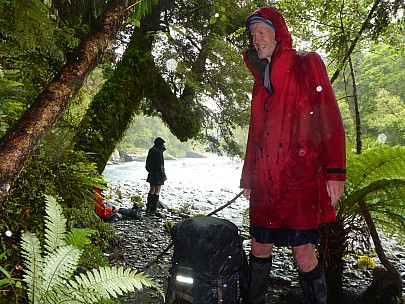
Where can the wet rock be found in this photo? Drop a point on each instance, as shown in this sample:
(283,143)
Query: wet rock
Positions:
(143,241)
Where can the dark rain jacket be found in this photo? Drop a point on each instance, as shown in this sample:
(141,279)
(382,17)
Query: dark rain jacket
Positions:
(296,139)
(155,165)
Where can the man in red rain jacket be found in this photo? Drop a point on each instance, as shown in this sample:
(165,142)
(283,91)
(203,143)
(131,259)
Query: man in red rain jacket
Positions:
(294,167)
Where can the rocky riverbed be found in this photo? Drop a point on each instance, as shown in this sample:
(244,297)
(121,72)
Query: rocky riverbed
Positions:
(143,240)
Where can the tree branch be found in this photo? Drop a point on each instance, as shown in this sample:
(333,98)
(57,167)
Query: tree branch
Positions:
(17,147)
(354,42)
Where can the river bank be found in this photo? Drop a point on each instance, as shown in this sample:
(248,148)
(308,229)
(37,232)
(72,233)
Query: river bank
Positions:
(145,239)
(197,187)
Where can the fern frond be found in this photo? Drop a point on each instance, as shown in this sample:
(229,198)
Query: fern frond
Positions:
(78,237)
(378,178)
(374,165)
(62,294)
(60,266)
(52,282)
(377,186)
(55,225)
(112,281)
(33,262)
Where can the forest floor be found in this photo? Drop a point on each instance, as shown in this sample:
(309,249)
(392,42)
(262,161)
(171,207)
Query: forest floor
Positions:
(139,243)
(142,242)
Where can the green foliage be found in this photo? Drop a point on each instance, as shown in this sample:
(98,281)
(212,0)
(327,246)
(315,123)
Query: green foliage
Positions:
(10,107)
(36,31)
(80,15)
(6,281)
(378,177)
(49,273)
(342,21)
(69,177)
(381,93)
(140,9)
(143,131)
(33,47)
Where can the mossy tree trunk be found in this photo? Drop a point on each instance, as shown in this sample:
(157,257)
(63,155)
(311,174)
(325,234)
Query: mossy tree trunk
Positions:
(23,139)
(136,77)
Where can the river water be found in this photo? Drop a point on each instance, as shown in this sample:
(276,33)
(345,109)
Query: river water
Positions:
(210,173)
(199,185)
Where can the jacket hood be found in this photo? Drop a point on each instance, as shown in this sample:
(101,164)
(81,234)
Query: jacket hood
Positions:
(283,36)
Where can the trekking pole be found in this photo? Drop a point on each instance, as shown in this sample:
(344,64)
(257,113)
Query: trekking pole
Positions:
(225,205)
(209,214)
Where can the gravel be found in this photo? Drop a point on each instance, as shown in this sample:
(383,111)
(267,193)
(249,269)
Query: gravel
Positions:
(142,242)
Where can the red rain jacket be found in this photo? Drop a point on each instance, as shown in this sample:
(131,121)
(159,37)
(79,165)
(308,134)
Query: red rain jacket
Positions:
(296,139)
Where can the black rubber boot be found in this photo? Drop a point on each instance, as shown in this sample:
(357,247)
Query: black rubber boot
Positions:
(154,203)
(259,273)
(313,285)
(149,204)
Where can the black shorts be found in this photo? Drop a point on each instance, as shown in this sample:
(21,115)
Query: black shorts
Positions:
(156,179)
(285,237)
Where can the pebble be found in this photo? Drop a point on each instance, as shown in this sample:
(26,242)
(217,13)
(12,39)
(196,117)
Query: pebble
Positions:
(145,239)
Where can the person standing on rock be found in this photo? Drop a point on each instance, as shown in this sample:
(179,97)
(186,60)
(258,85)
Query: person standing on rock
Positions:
(294,168)
(156,174)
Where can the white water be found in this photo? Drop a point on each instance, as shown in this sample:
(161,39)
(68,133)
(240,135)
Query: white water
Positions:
(213,173)
(201,184)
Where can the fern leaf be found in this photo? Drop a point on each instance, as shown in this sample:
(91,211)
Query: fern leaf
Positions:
(112,282)
(60,266)
(55,228)
(52,282)
(33,262)
(61,294)
(374,165)
(78,237)
(378,177)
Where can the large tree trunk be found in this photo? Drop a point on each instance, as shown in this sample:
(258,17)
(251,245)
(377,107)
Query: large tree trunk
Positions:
(136,77)
(17,147)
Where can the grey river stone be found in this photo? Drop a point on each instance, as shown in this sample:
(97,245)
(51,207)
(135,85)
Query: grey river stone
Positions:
(196,187)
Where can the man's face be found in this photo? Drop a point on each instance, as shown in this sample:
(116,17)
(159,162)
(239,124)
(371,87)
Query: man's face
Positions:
(264,40)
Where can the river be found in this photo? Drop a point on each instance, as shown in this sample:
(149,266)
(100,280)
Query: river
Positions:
(210,173)
(197,184)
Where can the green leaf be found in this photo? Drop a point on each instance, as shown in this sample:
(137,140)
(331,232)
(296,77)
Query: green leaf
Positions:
(55,230)
(33,262)
(78,237)
(137,23)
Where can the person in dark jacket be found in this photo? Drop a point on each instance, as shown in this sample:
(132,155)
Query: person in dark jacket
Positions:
(156,174)
(294,168)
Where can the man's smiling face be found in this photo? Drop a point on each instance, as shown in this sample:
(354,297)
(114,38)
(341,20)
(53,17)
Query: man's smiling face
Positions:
(264,40)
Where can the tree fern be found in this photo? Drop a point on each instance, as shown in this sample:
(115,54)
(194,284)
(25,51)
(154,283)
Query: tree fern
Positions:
(49,273)
(378,177)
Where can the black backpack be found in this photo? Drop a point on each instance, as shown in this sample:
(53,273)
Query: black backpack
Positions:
(208,256)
